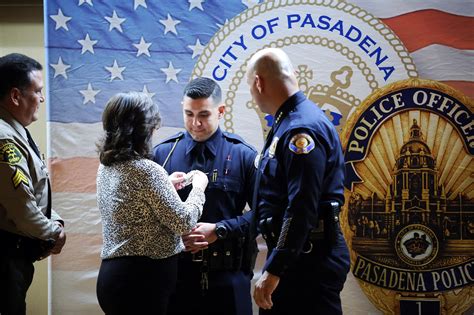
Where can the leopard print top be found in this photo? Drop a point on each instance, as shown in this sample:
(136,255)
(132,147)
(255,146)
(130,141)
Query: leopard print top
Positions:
(142,214)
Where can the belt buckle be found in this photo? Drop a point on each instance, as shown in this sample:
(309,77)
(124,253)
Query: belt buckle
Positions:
(199,256)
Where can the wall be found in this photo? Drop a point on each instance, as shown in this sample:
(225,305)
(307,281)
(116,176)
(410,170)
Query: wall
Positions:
(21,30)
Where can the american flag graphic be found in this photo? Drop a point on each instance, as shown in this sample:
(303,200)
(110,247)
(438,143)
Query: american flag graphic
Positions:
(98,48)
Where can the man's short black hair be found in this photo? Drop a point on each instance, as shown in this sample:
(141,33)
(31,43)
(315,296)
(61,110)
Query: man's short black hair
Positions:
(15,72)
(203,88)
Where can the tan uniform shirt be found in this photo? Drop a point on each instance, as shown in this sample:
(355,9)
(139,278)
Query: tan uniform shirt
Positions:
(23,184)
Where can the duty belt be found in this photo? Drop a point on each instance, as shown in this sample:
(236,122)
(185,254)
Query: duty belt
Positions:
(32,249)
(326,229)
(223,255)
(225,258)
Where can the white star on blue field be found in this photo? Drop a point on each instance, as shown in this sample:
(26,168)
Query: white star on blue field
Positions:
(96,49)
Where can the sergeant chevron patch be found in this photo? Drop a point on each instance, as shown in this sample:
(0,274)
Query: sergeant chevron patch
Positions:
(18,178)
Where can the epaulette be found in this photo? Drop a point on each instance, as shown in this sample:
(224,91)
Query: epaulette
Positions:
(172,138)
(236,139)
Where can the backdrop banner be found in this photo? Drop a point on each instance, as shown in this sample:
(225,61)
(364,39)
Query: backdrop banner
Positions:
(343,52)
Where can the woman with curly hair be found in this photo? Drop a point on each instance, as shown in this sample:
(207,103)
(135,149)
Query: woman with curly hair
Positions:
(142,215)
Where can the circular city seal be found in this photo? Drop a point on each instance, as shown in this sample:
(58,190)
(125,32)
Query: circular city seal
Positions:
(416,245)
(341,54)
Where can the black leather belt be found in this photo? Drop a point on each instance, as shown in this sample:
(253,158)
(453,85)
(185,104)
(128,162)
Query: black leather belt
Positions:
(220,256)
(326,229)
(30,248)
(11,240)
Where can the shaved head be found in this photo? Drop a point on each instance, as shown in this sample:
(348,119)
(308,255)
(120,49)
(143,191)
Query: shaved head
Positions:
(272,79)
(272,62)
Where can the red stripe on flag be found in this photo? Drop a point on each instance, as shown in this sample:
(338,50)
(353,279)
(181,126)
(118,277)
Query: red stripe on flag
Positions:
(466,87)
(423,28)
(74,174)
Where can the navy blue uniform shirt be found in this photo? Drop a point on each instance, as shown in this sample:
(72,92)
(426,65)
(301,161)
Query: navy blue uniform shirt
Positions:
(230,164)
(302,165)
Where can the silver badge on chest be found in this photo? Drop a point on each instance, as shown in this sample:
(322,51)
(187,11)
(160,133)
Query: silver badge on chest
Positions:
(273,146)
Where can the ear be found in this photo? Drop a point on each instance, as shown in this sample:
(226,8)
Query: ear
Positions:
(221,110)
(259,83)
(15,95)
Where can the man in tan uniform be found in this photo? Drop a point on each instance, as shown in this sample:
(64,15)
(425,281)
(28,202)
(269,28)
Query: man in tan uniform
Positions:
(29,229)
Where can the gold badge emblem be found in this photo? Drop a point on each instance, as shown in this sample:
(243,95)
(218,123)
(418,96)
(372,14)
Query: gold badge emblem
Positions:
(9,154)
(409,191)
(301,143)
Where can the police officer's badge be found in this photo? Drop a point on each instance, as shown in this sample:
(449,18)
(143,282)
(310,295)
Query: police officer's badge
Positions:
(411,233)
(273,146)
(9,153)
(301,143)
(256,162)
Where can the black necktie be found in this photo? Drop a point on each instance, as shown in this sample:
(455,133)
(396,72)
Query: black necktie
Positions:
(32,143)
(199,156)
(35,148)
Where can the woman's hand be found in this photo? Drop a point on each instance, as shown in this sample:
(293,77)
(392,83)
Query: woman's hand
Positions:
(177,179)
(200,180)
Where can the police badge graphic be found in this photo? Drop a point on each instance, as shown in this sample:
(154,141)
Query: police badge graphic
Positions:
(401,214)
(409,216)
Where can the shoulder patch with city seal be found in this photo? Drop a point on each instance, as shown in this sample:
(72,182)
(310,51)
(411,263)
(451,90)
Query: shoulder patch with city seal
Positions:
(9,153)
(301,143)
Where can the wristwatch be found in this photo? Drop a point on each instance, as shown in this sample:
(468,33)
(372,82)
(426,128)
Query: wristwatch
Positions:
(221,231)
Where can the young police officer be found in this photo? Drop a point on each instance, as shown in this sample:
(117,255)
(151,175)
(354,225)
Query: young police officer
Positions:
(299,191)
(215,280)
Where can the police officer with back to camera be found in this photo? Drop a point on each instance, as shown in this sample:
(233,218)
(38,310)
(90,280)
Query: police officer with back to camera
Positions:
(298,194)
(29,229)
(214,273)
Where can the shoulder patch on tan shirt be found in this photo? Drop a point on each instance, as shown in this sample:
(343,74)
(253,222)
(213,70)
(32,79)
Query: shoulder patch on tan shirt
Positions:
(9,153)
